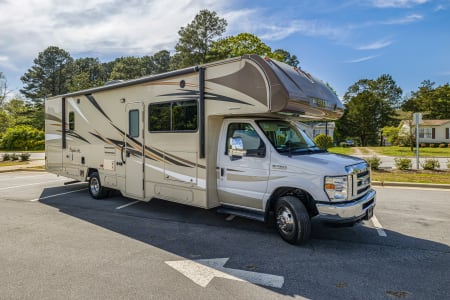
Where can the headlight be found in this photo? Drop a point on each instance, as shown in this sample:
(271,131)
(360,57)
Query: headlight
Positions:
(337,187)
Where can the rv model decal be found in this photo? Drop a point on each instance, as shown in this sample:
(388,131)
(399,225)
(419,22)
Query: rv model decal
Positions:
(193,95)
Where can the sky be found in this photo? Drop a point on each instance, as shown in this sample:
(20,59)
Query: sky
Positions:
(340,42)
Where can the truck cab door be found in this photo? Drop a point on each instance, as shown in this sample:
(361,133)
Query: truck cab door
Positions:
(134,156)
(243,173)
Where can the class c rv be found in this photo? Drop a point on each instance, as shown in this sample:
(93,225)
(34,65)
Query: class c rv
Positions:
(223,135)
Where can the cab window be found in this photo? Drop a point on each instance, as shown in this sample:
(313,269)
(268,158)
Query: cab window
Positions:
(253,144)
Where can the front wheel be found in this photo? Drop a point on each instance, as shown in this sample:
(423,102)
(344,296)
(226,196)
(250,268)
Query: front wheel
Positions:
(292,220)
(96,189)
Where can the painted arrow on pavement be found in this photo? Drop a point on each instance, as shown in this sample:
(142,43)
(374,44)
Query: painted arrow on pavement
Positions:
(202,271)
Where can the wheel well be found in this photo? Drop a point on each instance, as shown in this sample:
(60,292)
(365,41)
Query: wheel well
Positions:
(300,194)
(90,171)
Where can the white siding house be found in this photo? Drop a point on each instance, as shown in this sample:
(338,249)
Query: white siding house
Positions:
(430,131)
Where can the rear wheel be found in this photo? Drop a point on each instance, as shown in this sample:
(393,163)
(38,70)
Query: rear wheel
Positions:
(292,220)
(96,189)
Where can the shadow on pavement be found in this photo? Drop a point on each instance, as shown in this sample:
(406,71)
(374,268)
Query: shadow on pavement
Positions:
(336,263)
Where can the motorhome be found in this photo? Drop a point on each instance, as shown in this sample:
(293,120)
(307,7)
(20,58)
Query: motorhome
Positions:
(223,135)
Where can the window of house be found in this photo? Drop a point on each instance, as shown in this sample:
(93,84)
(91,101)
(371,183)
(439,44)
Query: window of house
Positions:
(173,116)
(425,133)
(71,120)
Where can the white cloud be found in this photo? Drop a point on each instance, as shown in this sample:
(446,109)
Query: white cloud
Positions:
(375,45)
(397,3)
(303,27)
(104,26)
(362,59)
(405,20)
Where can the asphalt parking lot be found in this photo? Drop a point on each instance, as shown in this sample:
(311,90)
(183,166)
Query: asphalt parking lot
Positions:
(57,242)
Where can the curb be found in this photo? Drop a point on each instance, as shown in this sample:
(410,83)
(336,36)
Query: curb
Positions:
(411,184)
(31,169)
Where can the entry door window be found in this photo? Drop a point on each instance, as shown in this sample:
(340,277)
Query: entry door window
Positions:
(133,128)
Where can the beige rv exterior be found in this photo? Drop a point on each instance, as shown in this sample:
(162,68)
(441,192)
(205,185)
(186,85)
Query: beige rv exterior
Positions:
(163,137)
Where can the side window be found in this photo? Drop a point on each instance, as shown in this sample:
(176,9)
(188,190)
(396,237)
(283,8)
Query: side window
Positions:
(159,119)
(173,116)
(253,144)
(71,120)
(133,125)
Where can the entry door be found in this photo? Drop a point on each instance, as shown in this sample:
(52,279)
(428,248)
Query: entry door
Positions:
(242,181)
(134,150)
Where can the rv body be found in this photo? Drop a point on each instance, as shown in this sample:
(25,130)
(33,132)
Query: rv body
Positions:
(213,136)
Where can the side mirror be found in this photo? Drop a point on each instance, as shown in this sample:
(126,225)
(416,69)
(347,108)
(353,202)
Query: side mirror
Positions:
(236,148)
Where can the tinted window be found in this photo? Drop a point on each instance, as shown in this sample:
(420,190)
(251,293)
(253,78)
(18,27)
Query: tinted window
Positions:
(159,117)
(133,128)
(173,116)
(71,120)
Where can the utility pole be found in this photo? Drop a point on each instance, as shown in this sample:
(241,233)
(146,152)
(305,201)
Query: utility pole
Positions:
(417,117)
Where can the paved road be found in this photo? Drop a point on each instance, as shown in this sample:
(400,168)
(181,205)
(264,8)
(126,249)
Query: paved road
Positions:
(56,242)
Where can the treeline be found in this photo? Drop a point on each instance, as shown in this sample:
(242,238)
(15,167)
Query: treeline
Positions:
(374,109)
(371,104)
(56,72)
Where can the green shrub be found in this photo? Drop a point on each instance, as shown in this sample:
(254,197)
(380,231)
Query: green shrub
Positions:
(25,156)
(432,145)
(14,157)
(323,141)
(6,156)
(23,137)
(374,162)
(403,163)
(430,164)
(442,146)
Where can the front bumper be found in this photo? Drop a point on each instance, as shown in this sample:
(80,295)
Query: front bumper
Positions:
(348,212)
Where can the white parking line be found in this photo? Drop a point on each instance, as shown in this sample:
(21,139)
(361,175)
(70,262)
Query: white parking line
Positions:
(51,196)
(128,204)
(378,226)
(37,183)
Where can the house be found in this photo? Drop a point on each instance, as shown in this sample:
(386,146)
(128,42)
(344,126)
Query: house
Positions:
(430,131)
(313,129)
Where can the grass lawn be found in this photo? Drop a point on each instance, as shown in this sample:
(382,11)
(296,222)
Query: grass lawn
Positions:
(9,163)
(439,177)
(406,151)
(341,150)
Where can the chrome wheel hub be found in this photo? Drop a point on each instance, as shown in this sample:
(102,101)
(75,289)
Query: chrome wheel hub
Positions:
(285,220)
(95,186)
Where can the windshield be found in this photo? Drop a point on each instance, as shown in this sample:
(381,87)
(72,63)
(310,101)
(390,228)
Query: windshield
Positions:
(287,138)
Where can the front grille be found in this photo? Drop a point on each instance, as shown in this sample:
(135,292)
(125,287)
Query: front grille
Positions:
(360,175)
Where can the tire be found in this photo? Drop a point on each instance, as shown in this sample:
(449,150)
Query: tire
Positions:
(96,189)
(292,220)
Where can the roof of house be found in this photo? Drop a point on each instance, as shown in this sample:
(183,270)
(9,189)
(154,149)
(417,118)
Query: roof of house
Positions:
(434,122)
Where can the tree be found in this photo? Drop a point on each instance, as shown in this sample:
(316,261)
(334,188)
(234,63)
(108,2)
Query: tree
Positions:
(23,137)
(3,89)
(161,62)
(232,46)
(48,76)
(86,73)
(386,97)
(196,38)
(285,56)
(130,67)
(361,117)
(434,103)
